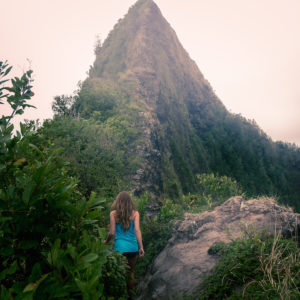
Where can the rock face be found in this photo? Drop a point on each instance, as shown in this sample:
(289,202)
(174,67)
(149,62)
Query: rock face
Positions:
(185,261)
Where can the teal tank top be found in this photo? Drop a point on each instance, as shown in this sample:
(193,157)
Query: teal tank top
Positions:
(125,241)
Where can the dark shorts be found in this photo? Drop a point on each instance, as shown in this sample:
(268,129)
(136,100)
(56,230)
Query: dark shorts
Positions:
(130,254)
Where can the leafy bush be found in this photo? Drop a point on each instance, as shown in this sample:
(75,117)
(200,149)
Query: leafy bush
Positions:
(97,128)
(169,212)
(213,191)
(92,151)
(51,242)
(115,276)
(217,248)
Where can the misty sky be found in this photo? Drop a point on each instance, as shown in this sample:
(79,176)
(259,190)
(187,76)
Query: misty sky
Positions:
(249,50)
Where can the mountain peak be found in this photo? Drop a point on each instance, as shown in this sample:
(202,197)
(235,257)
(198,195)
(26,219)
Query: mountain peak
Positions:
(131,37)
(144,45)
(144,3)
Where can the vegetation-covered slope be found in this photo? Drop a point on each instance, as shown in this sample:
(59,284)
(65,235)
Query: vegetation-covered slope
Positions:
(145,88)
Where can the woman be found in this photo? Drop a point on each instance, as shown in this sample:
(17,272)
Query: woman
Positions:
(125,226)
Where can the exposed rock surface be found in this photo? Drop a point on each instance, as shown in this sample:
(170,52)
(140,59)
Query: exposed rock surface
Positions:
(185,261)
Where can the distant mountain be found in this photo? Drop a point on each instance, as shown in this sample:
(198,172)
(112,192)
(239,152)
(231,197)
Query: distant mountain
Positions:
(146,87)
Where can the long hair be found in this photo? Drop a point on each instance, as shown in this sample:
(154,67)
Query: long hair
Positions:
(124,207)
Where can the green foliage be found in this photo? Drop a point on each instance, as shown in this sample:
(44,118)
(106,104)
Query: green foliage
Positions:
(62,105)
(254,267)
(207,139)
(169,212)
(96,100)
(217,248)
(238,148)
(213,190)
(141,203)
(51,241)
(16,95)
(92,150)
(97,130)
(115,276)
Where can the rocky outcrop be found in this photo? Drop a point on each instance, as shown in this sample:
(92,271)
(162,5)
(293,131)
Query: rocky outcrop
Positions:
(185,261)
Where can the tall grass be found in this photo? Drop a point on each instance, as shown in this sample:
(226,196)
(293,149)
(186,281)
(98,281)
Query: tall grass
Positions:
(281,268)
(258,266)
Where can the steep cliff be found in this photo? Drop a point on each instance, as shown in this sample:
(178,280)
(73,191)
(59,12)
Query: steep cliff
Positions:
(144,84)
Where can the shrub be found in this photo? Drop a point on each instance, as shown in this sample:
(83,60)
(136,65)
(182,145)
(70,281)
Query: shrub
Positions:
(51,242)
(256,267)
(213,191)
(217,249)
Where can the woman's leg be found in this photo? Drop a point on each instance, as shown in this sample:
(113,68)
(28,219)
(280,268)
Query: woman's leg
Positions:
(130,284)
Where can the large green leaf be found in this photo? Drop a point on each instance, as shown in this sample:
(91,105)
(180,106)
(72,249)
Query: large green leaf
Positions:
(5,293)
(7,71)
(27,192)
(34,285)
(9,271)
(89,258)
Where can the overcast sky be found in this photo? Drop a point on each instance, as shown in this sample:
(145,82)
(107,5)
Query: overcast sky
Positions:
(249,50)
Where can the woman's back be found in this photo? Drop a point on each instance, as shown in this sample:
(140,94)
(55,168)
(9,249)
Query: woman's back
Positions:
(125,240)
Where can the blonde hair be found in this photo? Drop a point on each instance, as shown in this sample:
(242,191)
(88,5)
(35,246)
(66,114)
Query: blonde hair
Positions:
(124,207)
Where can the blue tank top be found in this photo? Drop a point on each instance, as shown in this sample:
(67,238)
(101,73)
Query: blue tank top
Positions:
(125,241)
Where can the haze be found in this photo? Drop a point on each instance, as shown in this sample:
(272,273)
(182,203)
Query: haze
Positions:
(248,50)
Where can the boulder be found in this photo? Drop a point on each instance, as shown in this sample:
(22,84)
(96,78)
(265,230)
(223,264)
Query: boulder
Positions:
(185,261)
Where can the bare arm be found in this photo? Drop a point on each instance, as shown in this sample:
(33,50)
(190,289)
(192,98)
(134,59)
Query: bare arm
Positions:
(138,233)
(112,229)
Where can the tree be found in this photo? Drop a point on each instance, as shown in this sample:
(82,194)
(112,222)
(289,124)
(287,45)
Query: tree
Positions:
(97,46)
(62,105)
